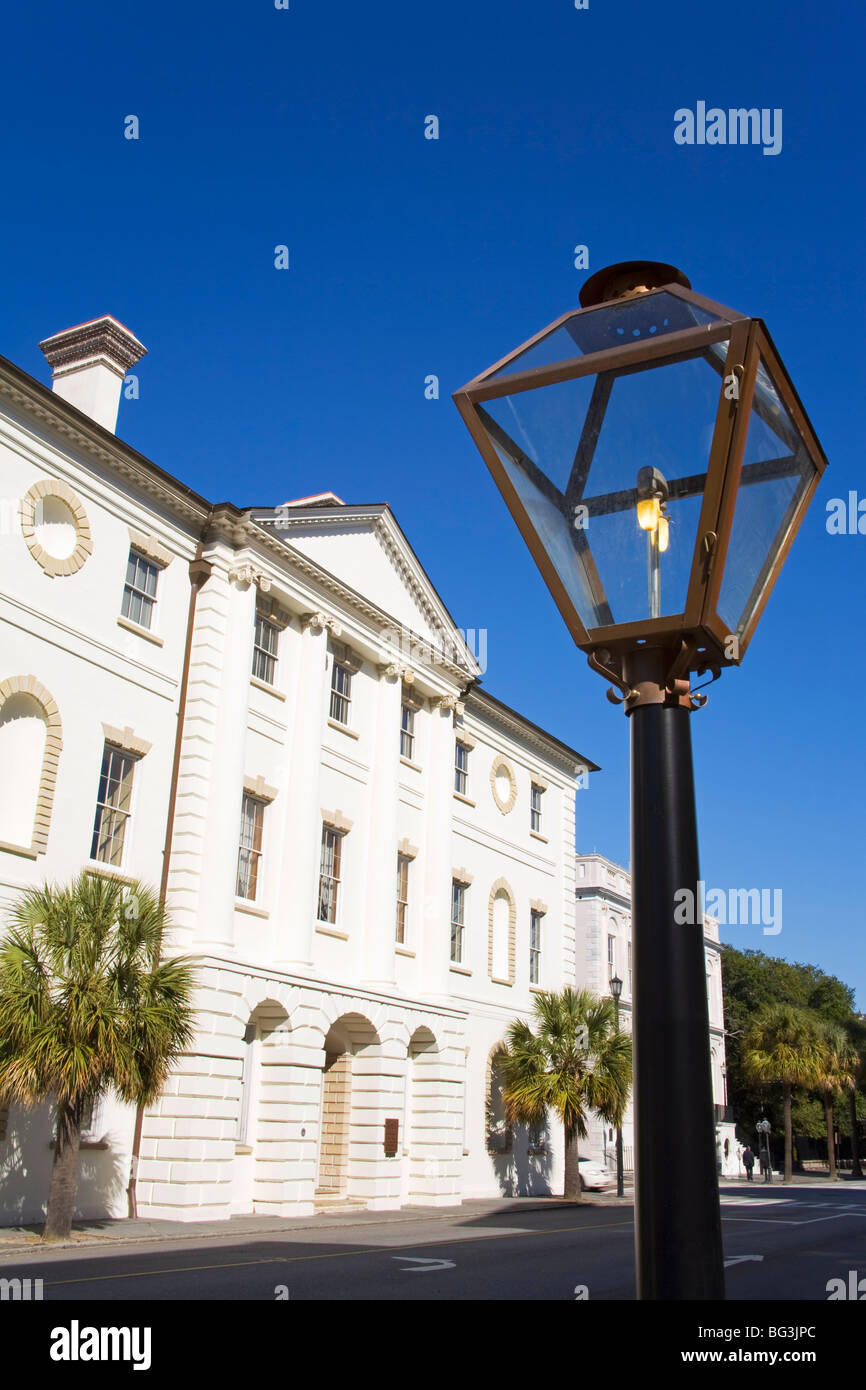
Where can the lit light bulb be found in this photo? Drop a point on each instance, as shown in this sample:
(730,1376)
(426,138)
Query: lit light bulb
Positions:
(648,513)
(664,534)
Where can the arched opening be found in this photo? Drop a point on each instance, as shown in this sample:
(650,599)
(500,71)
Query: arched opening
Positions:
(348,1038)
(258,1119)
(422,1165)
(23,735)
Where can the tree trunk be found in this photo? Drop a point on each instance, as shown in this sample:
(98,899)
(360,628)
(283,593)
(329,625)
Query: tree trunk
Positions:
(64,1174)
(789,1137)
(831,1146)
(856,1171)
(572,1171)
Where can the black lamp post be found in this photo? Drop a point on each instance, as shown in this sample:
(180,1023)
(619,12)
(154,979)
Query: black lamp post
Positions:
(658,462)
(616,991)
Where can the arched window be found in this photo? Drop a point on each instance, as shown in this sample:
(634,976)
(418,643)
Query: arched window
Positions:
(30,743)
(502,917)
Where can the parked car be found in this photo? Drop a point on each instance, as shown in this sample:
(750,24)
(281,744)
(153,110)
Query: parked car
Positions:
(594,1176)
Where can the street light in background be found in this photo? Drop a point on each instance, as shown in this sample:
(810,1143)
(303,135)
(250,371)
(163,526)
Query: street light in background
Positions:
(763,1127)
(657,460)
(616,991)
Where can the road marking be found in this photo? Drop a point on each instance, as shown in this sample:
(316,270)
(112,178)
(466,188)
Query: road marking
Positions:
(333,1255)
(739,1259)
(423,1266)
(756,1202)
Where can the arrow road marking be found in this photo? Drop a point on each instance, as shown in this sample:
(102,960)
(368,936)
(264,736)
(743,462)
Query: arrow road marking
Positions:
(424,1266)
(739,1259)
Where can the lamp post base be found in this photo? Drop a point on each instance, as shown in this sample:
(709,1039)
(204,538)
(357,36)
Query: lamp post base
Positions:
(678,1238)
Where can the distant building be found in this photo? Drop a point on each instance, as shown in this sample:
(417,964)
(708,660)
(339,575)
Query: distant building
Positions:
(603,949)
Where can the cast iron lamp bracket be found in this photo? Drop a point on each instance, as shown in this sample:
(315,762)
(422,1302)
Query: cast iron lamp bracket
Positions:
(657,677)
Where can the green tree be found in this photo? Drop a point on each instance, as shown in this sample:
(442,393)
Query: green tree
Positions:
(86,1006)
(752,981)
(784,1046)
(837,1073)
(571,1062)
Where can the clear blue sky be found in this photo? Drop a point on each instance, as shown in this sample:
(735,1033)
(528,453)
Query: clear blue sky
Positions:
(408,256)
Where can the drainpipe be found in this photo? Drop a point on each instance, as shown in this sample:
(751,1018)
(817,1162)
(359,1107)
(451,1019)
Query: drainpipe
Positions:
(199,573)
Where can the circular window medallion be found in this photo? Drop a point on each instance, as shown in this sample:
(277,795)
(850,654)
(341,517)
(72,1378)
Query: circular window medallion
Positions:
(55,527)
(503,784)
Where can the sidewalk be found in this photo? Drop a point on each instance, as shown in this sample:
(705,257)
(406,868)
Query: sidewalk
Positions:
(125,1231)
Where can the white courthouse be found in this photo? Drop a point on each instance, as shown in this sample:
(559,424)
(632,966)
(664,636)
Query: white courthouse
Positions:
(271,715)
(603,950)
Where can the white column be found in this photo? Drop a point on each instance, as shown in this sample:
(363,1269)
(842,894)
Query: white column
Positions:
(299,877)
(233,664)
(436,933)
(380,908)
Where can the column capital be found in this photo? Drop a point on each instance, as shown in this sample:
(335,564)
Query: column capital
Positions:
(320,622)
(248,574)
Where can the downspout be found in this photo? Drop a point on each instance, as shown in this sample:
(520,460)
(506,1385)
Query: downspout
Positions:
(199,573)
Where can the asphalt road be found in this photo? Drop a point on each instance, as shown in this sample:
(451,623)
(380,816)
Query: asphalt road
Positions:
(780,1244)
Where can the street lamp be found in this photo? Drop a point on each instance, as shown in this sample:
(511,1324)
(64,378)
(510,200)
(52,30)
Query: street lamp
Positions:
(763,1128)
(616,991)
(658,462)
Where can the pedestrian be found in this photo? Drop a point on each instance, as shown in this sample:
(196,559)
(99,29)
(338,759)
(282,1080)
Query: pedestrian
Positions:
(765,1165)
(748,1162)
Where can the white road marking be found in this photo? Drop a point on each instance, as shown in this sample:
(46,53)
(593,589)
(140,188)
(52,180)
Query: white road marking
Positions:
(739,1259)
(424,1266)
(756,1202)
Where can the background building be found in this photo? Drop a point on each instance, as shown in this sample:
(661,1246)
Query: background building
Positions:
(271,714)
(603,949)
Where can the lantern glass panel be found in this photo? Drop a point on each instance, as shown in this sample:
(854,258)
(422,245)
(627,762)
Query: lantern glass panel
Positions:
(610,326)
(574,451)
(777,471)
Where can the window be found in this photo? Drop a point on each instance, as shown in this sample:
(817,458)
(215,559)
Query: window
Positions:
(113,806)
(341,692)
(458,909)
(535,947)
(250,849)
(329,877)
(611,957)
(407,732)
(535,809)
(4,1121)
(461,768)
(139,591)
(91,1118)
(629,969)
(265,650)
(402,896)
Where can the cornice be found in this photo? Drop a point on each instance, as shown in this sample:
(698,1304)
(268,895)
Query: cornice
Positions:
(510,722)
(85,434)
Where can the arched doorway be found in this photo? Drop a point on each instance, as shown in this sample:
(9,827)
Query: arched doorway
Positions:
(348,1038)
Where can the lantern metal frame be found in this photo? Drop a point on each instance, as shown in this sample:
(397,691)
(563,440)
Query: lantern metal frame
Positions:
(698,638)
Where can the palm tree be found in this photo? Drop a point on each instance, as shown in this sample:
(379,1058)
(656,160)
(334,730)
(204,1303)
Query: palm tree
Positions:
(86,1006)
(838,1073)
(573,1062)
(783,1046)
(856,1031)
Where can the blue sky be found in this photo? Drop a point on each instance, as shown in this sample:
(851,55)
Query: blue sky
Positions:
(305,127)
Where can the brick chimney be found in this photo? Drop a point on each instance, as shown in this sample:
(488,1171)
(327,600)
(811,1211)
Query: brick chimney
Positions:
(88,365)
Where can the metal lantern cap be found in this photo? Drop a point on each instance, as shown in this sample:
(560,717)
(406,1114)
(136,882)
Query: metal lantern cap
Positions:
(615,986)
(658,462)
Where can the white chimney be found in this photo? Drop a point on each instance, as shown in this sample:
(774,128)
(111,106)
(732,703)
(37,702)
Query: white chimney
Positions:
(89,363)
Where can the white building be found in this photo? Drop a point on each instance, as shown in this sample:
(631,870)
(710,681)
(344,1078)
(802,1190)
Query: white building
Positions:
(271,715)
(603,950)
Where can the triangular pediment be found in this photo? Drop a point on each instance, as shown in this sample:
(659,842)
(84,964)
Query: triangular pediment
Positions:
(365,549)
